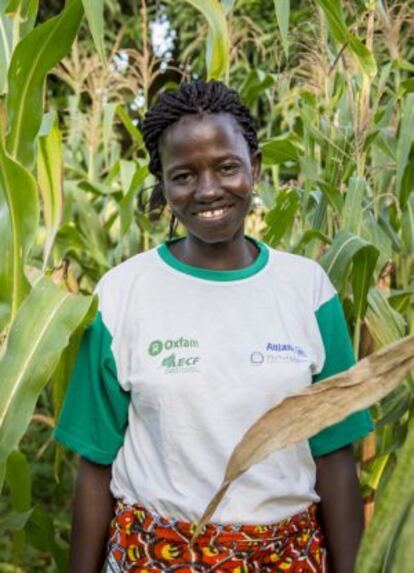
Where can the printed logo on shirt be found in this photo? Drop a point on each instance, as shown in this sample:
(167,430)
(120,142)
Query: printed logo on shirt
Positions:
(183,365)
(277,352)
(157,346)
(257,357)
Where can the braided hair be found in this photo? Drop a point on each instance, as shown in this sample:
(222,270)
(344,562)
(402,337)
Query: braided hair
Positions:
(191,98)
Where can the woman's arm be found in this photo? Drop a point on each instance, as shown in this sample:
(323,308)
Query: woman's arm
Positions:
(93,510)
(341,508)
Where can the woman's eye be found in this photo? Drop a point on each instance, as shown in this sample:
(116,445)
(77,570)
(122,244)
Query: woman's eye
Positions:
(229,168)
(181,177)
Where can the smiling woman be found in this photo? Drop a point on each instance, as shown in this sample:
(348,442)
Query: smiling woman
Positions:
(193,342)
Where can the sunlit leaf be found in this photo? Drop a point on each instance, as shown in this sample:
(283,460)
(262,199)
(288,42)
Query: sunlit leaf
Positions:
(50,175)
(279,150)
(405,140)
(390,512)
(282,8)
(94,11)
(32,60)
(281,217)
(332,10)
(39,334)
(218,60)
(19,216)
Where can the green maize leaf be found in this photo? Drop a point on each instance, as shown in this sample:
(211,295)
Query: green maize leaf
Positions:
(6,48)
(126,206)
(133,131)
(32,60)
(39,334)
(407,183)
(94,12)
(50,174)
(337,260)
(61,375)
(90,225)
(407,226)
(19,218)
(393,407)
(280,219)
(384,323)
(109,112)
(404,550)
(307,237)
(19,483)
(335,18)
(18,480)
(363,268)
(24,13)
(69,240)
(97,188)
(257,82)
(352,210)
(14,521)
(228,5)
(372,232)
(282,8)
(405,140)
(218,52)
(389,508)
(40,532)
(400,300)
(403,65)
(406,87)
(280,149)
(333,195)
(332,10)
(126,171)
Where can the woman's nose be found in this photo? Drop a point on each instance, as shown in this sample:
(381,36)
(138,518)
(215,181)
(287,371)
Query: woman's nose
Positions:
(208,187)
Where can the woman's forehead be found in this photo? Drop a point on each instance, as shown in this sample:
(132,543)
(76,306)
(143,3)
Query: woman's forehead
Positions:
(202,129)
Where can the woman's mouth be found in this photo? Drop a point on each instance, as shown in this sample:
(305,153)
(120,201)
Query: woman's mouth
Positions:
(213,214)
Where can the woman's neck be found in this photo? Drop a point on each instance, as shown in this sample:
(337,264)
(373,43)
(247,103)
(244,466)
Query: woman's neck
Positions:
(237,253)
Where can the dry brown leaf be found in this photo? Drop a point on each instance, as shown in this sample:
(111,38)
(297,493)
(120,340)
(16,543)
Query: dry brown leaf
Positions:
(315,408)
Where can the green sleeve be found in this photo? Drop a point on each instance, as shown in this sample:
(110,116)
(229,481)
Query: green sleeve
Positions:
(94,415)
(339,356)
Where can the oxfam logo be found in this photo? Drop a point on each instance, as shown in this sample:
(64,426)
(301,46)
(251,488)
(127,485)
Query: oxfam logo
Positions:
(155,347)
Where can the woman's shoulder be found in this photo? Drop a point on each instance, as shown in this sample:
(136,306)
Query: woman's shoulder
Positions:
(302,274)
(294,262)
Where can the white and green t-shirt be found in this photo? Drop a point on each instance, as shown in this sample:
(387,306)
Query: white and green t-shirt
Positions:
(182,360)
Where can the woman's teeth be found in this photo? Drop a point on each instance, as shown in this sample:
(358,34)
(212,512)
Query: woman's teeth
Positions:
(213,214)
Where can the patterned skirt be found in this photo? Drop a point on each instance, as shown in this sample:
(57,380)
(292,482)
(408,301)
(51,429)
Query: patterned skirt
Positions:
(142,542)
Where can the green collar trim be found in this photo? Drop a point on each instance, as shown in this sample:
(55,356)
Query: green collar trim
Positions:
(216,275)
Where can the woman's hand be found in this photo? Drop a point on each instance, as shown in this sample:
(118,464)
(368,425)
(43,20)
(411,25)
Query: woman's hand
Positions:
(92,512)
(341,508)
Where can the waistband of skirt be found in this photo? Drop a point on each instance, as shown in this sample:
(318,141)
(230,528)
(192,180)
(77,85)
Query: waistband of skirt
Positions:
(138,519)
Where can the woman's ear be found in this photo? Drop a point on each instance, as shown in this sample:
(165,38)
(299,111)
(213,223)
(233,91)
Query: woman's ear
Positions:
(256,160)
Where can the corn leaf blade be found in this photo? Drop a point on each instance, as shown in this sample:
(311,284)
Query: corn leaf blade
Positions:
(19,217)
(32,60)
(282,9)
(39,334)
(218,56)
(94,12)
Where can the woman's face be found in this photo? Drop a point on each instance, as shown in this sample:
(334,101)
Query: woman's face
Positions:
(208,175)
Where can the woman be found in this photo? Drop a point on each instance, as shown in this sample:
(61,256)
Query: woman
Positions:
(193,342)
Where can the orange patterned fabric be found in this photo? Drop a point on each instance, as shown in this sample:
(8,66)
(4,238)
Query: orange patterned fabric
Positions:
(147,543)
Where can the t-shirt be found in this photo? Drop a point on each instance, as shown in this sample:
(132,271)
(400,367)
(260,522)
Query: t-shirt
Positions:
(179,363)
